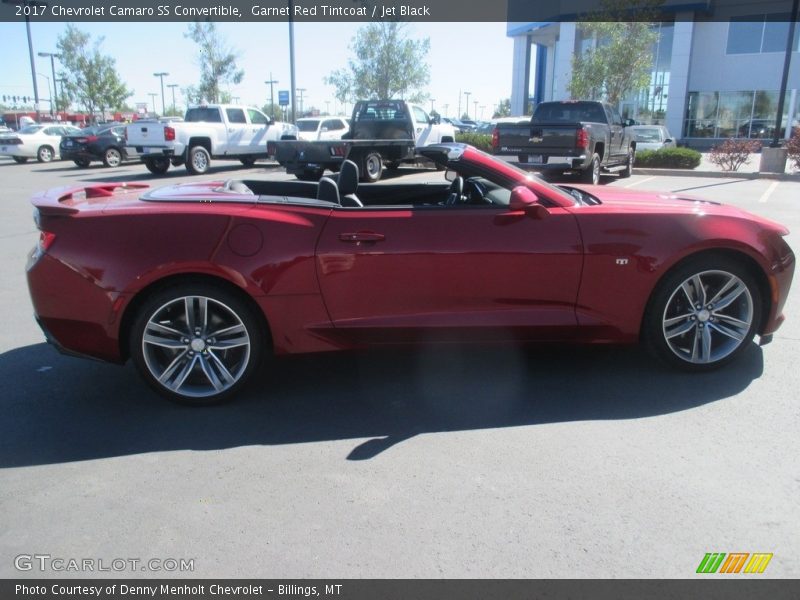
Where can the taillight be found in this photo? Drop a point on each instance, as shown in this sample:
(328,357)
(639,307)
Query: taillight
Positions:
(169,134)
(46,240)
(91,138)
(495,139)
(582,138)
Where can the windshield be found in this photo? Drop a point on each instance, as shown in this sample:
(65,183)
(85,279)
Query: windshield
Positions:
(647,135)
(31,129)
(308,125)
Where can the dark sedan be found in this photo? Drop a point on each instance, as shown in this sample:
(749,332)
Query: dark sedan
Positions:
(104,143)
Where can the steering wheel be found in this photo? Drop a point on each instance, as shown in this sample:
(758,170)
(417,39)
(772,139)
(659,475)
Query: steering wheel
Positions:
(455,195)
(475,192)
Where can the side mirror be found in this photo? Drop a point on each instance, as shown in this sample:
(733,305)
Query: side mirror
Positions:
(450,175)
(668,141)
(323,130)
(524,200)
(628,122)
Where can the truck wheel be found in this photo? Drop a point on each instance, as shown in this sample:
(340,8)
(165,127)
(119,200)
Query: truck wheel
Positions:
(523,158)
(198,160)
(592,173)
(248,161)
(82,162)
(310,174)
(373,167)
(157,166)
(626,172)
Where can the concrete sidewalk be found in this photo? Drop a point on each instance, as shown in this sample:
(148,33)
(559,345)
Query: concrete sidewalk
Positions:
(706,168)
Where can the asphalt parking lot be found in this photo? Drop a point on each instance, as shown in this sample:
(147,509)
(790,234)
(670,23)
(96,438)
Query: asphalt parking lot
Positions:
(442,463)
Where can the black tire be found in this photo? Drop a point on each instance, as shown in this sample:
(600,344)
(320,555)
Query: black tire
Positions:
(198,160)
(392,165)
(523,158)
(372,167)
(112,157)
(188,364)
(45,154)
(248,161)
(20,160)
(310,174)
(628,170)
(157,166)
(698,340)
(82,162)
(592,173)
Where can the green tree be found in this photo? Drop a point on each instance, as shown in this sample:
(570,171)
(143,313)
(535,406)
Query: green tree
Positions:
(89,78)
(621,59)
(503,109)
(387,64)
(217,64)
(273,110)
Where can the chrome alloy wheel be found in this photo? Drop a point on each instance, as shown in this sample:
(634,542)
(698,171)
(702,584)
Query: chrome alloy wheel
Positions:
(708,316)
(200,161)
(196,346)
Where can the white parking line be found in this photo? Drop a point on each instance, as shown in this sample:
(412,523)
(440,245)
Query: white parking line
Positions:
(638,181)
(765,196)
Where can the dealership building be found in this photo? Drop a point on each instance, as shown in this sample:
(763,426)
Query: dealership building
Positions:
(710,79)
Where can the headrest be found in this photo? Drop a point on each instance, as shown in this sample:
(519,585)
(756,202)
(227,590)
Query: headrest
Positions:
(348,178)
(328,191)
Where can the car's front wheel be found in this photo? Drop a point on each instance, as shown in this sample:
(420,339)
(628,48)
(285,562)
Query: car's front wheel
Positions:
(703,314)
(196,343)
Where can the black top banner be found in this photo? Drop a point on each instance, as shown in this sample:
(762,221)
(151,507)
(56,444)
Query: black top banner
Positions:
(375,10)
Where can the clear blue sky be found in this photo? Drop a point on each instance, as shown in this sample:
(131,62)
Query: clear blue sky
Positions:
(473,57)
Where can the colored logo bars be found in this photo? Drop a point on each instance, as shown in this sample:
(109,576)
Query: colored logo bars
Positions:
(714,562)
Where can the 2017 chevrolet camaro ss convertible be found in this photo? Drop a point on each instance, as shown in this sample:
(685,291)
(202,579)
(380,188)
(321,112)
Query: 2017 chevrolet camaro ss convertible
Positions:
(197,283)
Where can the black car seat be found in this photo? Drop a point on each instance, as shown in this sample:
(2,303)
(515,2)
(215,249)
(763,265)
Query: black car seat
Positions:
(348,184)
(328,191)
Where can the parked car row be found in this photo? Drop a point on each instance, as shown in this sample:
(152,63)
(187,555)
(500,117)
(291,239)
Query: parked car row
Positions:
(38,141)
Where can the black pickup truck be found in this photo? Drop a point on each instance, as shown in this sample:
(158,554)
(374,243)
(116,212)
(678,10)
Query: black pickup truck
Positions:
(382,133)
(574,135)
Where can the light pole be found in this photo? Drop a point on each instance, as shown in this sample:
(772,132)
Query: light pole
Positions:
(482,107)
(161,77)
(52,56)
(445,106)
(328,106)
(271,82)
(291,57)
(235,99)
(153,97)
(300,91)
(475,112)
(49,92)
(467,94)
(432,101)
(173,86)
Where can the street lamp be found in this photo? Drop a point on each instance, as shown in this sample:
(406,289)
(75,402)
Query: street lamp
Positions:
(467,94)
(52,56)
(27,4)
(161,76)
(173,86)
(432,101)
(300,91)
(153,97)
(49,92)
(475,112)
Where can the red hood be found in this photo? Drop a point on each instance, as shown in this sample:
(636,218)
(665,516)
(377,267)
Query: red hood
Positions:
(621,200)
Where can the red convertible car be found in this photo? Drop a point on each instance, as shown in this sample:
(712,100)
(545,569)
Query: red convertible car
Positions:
(198,283)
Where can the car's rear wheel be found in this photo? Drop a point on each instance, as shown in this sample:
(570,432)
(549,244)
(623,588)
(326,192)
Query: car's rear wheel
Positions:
(703,314)
(198,161)
(196,343)
(157,166)
(82,162)
(45,154)
(112,157)
(20,159)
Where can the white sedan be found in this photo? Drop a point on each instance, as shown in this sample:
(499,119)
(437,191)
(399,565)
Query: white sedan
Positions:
(322,128)
(34,141)
(651,137)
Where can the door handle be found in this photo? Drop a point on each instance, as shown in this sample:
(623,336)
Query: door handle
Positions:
(362,236)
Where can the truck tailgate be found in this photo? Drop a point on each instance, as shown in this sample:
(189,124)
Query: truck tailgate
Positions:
(145,134)
(553,139)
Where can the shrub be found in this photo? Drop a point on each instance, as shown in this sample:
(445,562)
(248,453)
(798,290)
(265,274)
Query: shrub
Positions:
(793,147)
(669,158)
(733,153)
(481,141)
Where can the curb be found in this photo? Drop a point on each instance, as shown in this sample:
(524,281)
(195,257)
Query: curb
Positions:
(717,174)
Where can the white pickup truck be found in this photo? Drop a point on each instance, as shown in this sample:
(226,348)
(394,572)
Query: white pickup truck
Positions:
(225,131)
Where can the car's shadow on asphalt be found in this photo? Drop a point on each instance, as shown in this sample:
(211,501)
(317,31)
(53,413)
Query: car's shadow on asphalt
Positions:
(57,409)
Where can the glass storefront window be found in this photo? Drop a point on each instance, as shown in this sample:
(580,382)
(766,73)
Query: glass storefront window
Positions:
(735,114)
(758,33)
